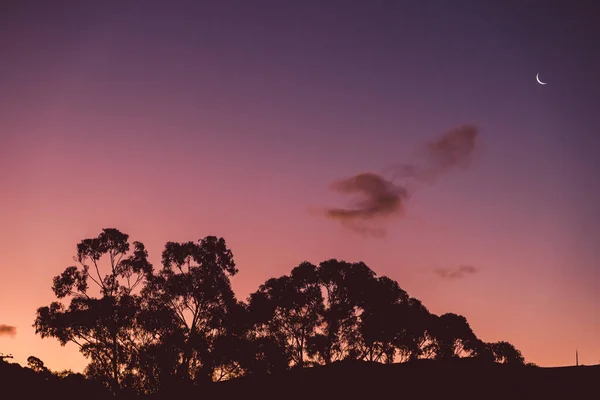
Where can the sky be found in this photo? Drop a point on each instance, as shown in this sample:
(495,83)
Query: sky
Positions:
(172,121)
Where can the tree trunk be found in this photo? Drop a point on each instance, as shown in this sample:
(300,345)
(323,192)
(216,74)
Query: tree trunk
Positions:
(115,365)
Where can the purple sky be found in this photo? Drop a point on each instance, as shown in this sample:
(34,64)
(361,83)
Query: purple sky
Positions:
(176,120)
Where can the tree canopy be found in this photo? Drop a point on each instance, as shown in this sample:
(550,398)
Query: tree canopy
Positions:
(144,330)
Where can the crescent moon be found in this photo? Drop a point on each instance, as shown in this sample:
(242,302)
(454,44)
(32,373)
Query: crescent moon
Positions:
(537,78)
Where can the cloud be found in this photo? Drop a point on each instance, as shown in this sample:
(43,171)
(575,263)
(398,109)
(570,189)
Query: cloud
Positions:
(381,198)
(7,330)
(452,150)
(456,273)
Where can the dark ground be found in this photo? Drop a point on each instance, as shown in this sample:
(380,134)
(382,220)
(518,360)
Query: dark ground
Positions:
(423,380)
(462,379)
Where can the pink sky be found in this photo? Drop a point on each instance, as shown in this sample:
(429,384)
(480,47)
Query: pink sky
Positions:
(236,126)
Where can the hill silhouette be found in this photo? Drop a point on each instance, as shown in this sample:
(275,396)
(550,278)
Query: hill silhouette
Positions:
(17,382)
(423,379)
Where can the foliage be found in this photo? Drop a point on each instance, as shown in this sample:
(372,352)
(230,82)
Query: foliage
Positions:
(147,331)
(287,309)
(36,364)
(190,306)
(100,319)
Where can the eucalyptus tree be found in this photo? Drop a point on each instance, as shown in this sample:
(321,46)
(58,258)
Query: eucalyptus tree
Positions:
(383,319)
(191,306)
(287,310)
(453,337)
(506,353)
(342,284)
(101,295)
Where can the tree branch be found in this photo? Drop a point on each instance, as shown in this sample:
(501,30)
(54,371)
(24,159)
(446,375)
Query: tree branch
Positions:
(98,272)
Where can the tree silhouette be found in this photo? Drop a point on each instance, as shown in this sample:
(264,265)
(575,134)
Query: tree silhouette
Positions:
(483,351)
(414,333)
(102,324)
(147,331)
(507,353)
(343,288)
(287,309)
(383,320)
(191,297)
(36,364)
(453,336)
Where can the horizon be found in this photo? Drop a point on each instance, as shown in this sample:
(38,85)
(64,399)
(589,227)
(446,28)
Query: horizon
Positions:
(412,137)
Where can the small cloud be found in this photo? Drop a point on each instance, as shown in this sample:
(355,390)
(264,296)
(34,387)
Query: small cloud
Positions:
(380,199)
(7,330)
(456,273)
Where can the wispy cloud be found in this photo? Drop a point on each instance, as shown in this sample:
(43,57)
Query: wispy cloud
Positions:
(7,330)
(456,273)
(381,198)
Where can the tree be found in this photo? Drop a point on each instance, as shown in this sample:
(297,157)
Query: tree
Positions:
(287,309)
(68,374)
(413,338)
(36,364)
(383,320)
(101,320)
(147,331)
(507,353)
(264,355)
(189,304)
(343,286)
(453,336)
(484,352)
(4,357)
